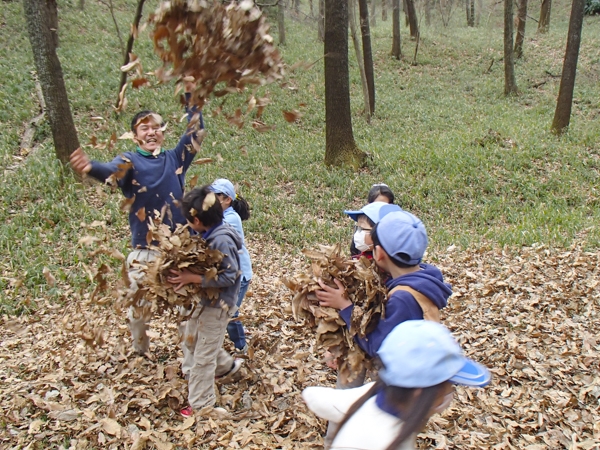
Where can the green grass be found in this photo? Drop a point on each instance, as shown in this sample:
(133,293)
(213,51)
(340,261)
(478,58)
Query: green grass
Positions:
(424,140)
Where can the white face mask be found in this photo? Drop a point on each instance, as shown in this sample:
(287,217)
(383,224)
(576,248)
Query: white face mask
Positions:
(359,241)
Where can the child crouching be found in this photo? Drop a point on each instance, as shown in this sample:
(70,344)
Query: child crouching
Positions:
(205,330)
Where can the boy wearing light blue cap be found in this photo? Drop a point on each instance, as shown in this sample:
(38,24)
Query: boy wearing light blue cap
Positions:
(421,364)
(416,290)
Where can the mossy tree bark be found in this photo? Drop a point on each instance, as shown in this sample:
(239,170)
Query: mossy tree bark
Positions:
(340,148)
(367,52)
(521,20)
(544,22)
(396,44)
(562,115)
(51,79)
(510,83)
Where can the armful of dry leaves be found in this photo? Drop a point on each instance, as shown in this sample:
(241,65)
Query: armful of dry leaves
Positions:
(176,250)
(364,289)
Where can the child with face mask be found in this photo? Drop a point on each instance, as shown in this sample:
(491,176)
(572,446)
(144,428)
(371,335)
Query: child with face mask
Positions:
(421,364)
(365,219)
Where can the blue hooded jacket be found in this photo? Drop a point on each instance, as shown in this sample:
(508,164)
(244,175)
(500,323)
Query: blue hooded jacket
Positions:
(402,306)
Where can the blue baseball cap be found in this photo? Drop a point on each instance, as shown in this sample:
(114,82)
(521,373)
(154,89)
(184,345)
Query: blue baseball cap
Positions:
(422,353)
(223,186)
(403,237)
(374,211)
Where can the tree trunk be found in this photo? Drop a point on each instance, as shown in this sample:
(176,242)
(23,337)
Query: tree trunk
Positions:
(544,23)
(367,51)
(82,4)
(470,7)
(428,12)
(374,12)
(281,22)
(383,9)
(510,84)
(405,10)
(359,57)
(310,4)
(478,12)
(396,44)
(340,148)
(562,115)
(52,10)
(413,21)
(297,6)
(321,20)
(521,18)
(51,79)
(132,36)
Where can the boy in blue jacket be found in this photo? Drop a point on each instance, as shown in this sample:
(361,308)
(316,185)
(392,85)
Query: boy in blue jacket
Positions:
(152,179)
(416,290)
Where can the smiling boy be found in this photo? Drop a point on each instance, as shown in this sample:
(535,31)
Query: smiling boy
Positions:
(152,179)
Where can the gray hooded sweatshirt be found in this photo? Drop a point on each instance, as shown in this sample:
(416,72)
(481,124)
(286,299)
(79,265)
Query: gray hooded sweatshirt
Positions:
(225,239)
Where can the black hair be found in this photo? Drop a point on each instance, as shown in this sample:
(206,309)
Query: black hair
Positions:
(240,205)
(380,189)
(202,203)
(416,408)
(396,261)
(139,117)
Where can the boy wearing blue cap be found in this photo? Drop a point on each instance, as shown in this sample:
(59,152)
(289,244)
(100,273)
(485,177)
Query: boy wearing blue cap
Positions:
(153,179)
(421,364)
(416,290)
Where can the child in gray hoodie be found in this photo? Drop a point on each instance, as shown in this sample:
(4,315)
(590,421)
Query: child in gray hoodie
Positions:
(205,330)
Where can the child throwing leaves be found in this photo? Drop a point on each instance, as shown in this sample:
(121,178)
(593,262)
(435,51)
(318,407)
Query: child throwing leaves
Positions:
(236,209)
(421,364)
(152,179)
(205,330)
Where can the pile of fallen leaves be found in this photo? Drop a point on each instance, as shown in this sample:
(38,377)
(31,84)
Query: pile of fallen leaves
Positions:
(530,314)
(221,47)
(364,289)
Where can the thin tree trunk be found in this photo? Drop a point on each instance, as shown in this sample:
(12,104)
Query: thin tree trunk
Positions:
(384,10)
(50,74)
(478,12)
(281,21)
(544,23)
(562,115)
(322,20)
(413,21)
(52,9)
(396,44)
(510,84)
(310,4)
(359,57)
(405,10)
(82,4)
(470,7)
(132,36)
(297,6)
(367,51)
(521,18)
(374,12)
(340,148)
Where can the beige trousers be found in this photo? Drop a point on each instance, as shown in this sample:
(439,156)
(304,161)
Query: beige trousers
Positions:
(138,316)
(204,356)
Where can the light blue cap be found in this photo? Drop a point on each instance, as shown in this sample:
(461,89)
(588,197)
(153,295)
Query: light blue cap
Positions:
(403,237)
(422,353)
(223,186)
(374,211)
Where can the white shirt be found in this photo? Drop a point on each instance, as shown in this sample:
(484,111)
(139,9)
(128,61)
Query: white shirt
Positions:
(369,428)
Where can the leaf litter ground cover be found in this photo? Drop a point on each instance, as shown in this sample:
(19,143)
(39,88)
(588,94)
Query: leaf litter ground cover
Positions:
(530,315)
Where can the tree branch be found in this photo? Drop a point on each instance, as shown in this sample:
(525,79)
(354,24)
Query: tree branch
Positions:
(109,4)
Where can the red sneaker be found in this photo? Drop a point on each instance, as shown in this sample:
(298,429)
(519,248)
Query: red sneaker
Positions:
(187,412)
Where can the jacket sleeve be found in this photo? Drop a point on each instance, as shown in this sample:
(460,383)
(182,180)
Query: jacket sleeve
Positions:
(230,266)
(400,307)
(184,149)
(102,171)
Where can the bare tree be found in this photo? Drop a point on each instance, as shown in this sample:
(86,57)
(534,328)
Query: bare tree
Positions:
(521,18)
(562,115)
(373,13)
(281,21)
(413,20)
(340,148)
(132,36)
(359,57)
(321,20)
(544,23)
(427,6)
(384,10)
(470,7)
(396,44)
(510,83)
(367,51)
(50,74)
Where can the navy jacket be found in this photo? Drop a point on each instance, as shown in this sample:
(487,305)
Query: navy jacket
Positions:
(402,306)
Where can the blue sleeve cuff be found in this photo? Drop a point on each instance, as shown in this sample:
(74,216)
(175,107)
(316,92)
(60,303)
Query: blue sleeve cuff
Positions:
(346,314)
